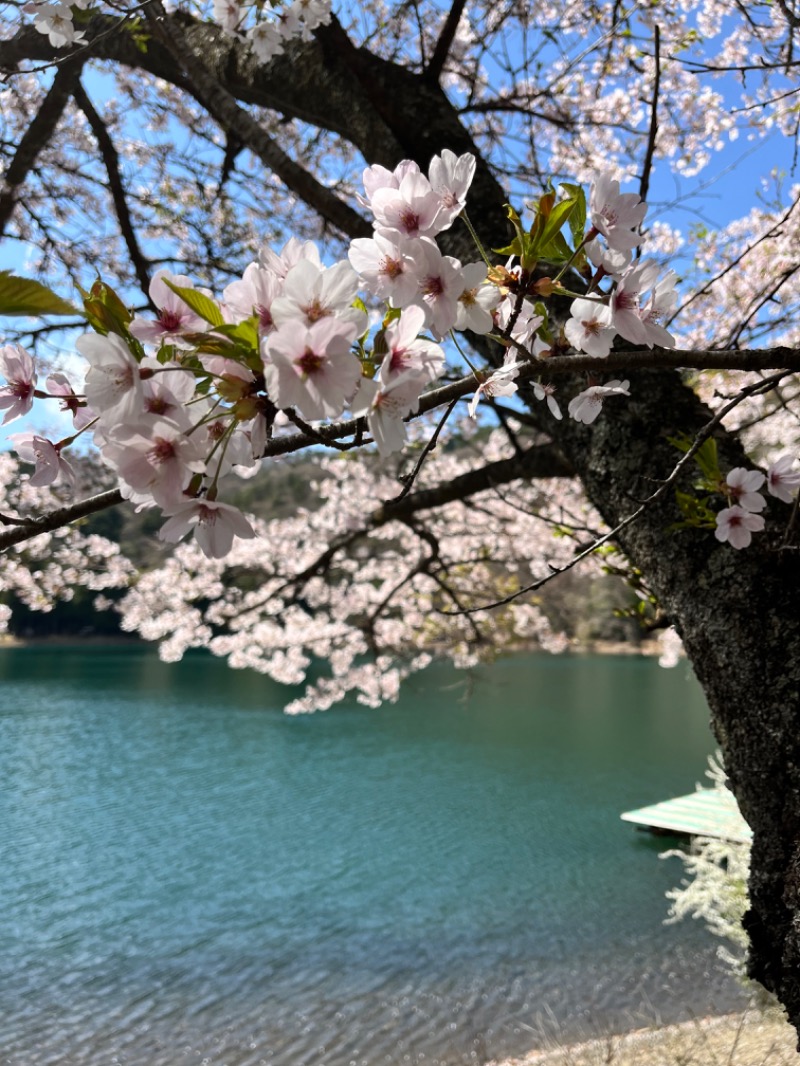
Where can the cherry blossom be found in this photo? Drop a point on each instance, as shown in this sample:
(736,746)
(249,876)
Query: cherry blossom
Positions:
(743,485)
(441,284)
(47,458)
(386,402)
(407,350)
(311,293)
(783,478)
(174,316)
(614,261)
(215,525)
(547,392)
(311,367)
(412,209)
(387,267)
(586,406)
(55,20)
(450,177)
(499,383)
(616,215)
(526,324)
(18,368)
(589,329)
(659,304)
(477,301)
(159,464)
(113,382)
(635,324)
(253,295)
(60,385)
(736,526)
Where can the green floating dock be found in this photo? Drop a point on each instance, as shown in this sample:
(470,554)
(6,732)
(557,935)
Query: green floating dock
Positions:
(705,813)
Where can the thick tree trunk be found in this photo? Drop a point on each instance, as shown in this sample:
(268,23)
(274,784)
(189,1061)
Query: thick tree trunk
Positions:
(737,611)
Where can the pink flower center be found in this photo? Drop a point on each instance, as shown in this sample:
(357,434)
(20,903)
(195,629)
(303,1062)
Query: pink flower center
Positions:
(170,320)
(626,301)
(315,311)
(399,361)
(409,220)
(162,451)
(264,317)
(157,405)
(207,515)
(310,363)
(432,286)
(391,268)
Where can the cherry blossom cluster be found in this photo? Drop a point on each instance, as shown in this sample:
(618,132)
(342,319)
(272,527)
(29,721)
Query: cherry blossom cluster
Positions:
(595,322)
(274,25)
(52,566)
(375,616)
(56,19)
(737,522)
(266,28)
(177,402)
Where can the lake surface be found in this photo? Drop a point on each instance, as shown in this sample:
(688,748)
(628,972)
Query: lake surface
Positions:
(188,876)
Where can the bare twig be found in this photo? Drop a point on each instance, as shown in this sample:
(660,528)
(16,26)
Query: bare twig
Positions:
(116,187)
(644,184)
(445,42)
(36,137)
(426,451)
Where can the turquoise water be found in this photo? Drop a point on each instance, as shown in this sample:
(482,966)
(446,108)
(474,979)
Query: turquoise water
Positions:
(189,876)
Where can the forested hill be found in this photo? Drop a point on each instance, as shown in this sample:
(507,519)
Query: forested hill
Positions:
(602,609)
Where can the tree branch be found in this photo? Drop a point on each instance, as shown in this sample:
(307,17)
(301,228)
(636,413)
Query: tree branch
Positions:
(434,69)
(644,184)
(36,137)
(27,529)
(658,359)
(222,106)
(111,161)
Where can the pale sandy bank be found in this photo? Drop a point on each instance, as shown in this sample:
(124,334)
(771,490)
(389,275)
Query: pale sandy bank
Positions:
(749,1039)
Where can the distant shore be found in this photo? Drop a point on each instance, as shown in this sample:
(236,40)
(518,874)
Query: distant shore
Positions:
(123,640)
(647,648)
(751,1038)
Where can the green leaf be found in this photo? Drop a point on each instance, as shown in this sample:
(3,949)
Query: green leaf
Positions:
(106,313)
(22,296)
(245,332)
(199,303)
(515,248)
(556,250)
(696,512)
(707,459)
(557,219)
(577,219)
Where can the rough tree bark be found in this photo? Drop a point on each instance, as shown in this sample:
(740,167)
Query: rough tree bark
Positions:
(738,612)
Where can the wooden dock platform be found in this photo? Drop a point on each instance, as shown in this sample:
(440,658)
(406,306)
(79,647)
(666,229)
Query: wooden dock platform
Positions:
(705,813)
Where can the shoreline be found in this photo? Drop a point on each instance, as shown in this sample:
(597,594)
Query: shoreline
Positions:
(645,649)
(749,1038)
